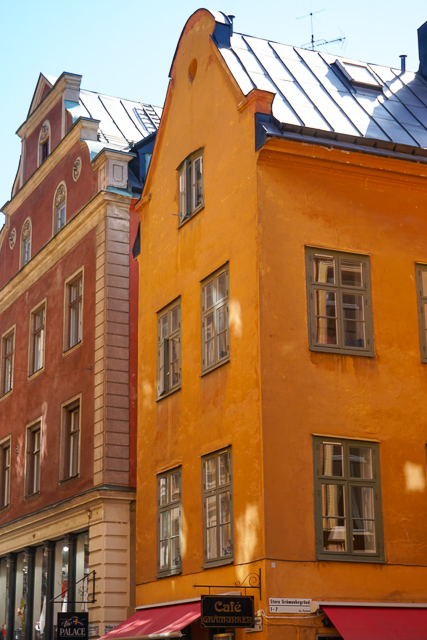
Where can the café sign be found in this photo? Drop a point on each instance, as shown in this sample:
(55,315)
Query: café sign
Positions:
(72,626)
(227,611)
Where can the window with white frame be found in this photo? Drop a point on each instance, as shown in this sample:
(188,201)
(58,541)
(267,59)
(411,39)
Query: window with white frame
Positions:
(169,349)
(59,207)
(169,552)
(8,360)
(73,311)
(44,142)
(5,473)
(33,453)
(217,508)
(215,320)
(70,458)
(37,338)
(191,188)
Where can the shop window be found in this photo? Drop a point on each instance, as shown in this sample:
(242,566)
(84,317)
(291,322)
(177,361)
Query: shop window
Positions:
(339,302)
(8,350)
(169,522)
(59,207)
(218,541)
(5,473)
(73,325)
(347,500)
(26,242)
(37,337)
(215,320)
(191,188)
(32,466)
(70,449)
(169,349)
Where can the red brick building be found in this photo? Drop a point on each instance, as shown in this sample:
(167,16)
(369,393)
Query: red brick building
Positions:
(68,288)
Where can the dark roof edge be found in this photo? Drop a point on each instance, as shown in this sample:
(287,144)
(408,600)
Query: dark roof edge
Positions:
(267,127)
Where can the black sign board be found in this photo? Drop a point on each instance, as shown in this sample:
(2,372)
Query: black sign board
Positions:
(72,626)
(227,611)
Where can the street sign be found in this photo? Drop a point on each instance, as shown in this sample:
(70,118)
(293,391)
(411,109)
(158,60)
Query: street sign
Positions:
(227,611)
(289,605)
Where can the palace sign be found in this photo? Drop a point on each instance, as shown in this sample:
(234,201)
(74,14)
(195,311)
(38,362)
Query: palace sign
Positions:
(227,611)
(72,626)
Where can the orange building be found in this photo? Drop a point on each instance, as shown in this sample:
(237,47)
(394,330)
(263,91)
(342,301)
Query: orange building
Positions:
(282,336)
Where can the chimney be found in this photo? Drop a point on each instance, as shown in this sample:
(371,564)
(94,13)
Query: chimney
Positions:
(422,50)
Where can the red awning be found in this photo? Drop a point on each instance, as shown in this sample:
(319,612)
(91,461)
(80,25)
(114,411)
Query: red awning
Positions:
(378,623)
(156,622)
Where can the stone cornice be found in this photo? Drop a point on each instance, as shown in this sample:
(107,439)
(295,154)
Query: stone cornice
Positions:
(74,514)
(70,139)
(65,84)
(70,235)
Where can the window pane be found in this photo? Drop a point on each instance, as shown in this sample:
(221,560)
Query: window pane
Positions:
(331,459)
(196,178)
(174,361)
(164,554)
(210,480)
(362,502)
(211,519)
(324,269)
(175,522)
(351,273)
(163,491)
(222,286)
(424,281)
(354,325)
(164,525)
(225,539)
(211,544)
(175,493)
(360,462)
(224,507)
(174,319)
(326,317)
(364,539)
(224,468)
(164,326)
(209,295)
(175,553)
(334,524)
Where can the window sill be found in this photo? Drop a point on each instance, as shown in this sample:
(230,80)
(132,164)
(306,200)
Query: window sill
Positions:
(32,495)
(342,352)
(35,374)
(64,480)
(168,393)
(218,563)
(6,395)
(69,350)
(184,219)
(215,366)
(168,574)
(347,558)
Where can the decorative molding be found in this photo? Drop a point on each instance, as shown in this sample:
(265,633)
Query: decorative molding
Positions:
(44,133)
(77,169)
(60,195)
(26,229)
(12,238)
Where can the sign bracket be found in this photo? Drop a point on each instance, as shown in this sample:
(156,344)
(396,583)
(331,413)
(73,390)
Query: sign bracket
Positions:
(253,582)
(90,598)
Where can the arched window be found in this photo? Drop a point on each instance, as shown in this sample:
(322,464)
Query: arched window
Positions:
(44,142)
(59,207)
(26,242)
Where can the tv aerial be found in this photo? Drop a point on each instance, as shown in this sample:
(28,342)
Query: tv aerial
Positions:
(317,43)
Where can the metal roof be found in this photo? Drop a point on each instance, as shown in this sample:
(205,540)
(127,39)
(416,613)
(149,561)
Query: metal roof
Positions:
(326,96)
(122,123)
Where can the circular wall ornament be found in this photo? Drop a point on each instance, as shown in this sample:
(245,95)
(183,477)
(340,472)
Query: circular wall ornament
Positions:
(77,169)
(12,238)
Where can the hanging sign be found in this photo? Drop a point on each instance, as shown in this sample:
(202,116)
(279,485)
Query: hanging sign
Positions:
(227,611)
(72,626)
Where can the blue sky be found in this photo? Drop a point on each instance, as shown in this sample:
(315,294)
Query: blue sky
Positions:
(125,48)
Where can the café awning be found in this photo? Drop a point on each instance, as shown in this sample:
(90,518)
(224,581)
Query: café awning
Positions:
(156,622)
(378,623)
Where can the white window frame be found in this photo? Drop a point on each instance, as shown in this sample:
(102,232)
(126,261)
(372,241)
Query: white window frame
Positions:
(190,187)
(168,360)
(168,539)
(72,341)
(71,421)
(33,447)
(211,330)
(8,357)
(59,207)
(34,340)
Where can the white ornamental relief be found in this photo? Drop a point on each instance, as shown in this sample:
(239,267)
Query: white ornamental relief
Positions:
(44,132)
(77,169)
(12,239)
(59,195)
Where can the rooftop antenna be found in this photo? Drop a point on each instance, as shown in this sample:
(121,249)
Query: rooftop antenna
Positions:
(313,43)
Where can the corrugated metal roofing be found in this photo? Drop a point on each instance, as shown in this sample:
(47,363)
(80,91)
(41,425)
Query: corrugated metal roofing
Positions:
(322,95)
(122,122)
